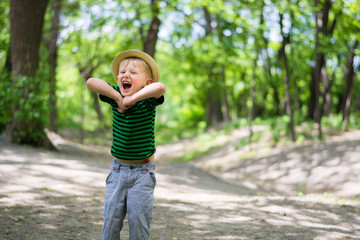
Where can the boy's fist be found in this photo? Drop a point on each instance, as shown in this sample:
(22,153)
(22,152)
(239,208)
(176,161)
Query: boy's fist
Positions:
(127,102)
(124,104)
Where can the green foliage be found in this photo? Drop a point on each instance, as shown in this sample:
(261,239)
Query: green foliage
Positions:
(29,93)
(206,142)
(203,145)
(4,32)
(241,50)
(5,99)
(29,97)
(5,74)
(334,121)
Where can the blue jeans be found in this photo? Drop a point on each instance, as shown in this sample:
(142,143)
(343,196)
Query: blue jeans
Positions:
(129,189)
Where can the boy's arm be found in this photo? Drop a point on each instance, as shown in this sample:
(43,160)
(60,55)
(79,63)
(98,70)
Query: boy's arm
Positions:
(100,86)
(155,90)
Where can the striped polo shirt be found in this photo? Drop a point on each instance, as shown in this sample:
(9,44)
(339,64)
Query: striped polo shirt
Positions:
(133,131)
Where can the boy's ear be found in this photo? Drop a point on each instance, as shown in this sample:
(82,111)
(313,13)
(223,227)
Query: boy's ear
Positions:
(149,81)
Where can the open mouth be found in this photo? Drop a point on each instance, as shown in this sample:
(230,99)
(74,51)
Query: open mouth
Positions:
(126,85)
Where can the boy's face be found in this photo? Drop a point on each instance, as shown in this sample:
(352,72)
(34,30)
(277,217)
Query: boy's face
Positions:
(133,76)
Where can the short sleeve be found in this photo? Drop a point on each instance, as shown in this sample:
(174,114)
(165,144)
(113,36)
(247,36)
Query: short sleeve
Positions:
(106,99)
(153,102)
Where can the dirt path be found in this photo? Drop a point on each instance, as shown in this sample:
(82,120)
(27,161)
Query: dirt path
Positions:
(49,195)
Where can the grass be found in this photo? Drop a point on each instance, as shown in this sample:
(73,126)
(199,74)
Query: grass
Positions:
(277,135)
(204,141)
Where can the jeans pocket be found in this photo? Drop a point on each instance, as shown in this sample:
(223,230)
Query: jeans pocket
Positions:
(153,177)
(108,178)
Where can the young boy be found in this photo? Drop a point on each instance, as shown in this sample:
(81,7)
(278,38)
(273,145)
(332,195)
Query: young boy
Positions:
(130,184)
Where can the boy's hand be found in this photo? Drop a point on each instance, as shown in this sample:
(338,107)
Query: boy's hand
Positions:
(121,107)
(127,102)
(124,104)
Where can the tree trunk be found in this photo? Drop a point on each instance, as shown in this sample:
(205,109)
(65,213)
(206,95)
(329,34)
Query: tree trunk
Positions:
(86,74)
(208,29)
(251,105)
(322,20)
(349,84)
(213,104)
(297,102)
(226,112)
(213,110)
(252,112)
(26,21)
(53,49)
(149,44)
(240,112)
(286,40)
(326,108)
(327,102)
(357,102)
(272,83)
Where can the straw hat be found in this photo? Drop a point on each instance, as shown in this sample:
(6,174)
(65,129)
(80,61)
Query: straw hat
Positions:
(139,54)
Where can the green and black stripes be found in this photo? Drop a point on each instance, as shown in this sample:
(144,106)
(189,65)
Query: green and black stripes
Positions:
(133,131)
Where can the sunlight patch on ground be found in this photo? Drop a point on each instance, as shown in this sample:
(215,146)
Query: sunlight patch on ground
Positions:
(333,235)
(192,201)
(313,168)
(193,196)
(176,207)
(281,210)
(275,212)
(13,199)
(227,238)
(30,179)
(48,226)
(322,226)
(233,218)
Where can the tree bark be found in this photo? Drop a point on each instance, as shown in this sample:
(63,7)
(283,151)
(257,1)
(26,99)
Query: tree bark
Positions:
(357,102)
(213,110)
(53,49)
(149,44)
(322,17)
(251,111)
(26,21)
(213,104)
(86,74)
(286,40)
(349,84)
(241,99)
(270,80)
(225,103)
(322,29)
(327,105)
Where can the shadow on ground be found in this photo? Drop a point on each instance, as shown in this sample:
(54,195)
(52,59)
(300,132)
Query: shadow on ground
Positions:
(51,195)
(332,167)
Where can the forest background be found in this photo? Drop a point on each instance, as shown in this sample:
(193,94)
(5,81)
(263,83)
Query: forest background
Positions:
(292,65)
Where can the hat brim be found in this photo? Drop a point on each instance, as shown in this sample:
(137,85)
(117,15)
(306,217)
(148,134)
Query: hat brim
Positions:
(139,54)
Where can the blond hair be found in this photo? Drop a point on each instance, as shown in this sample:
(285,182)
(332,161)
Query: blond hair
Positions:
(126,61)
